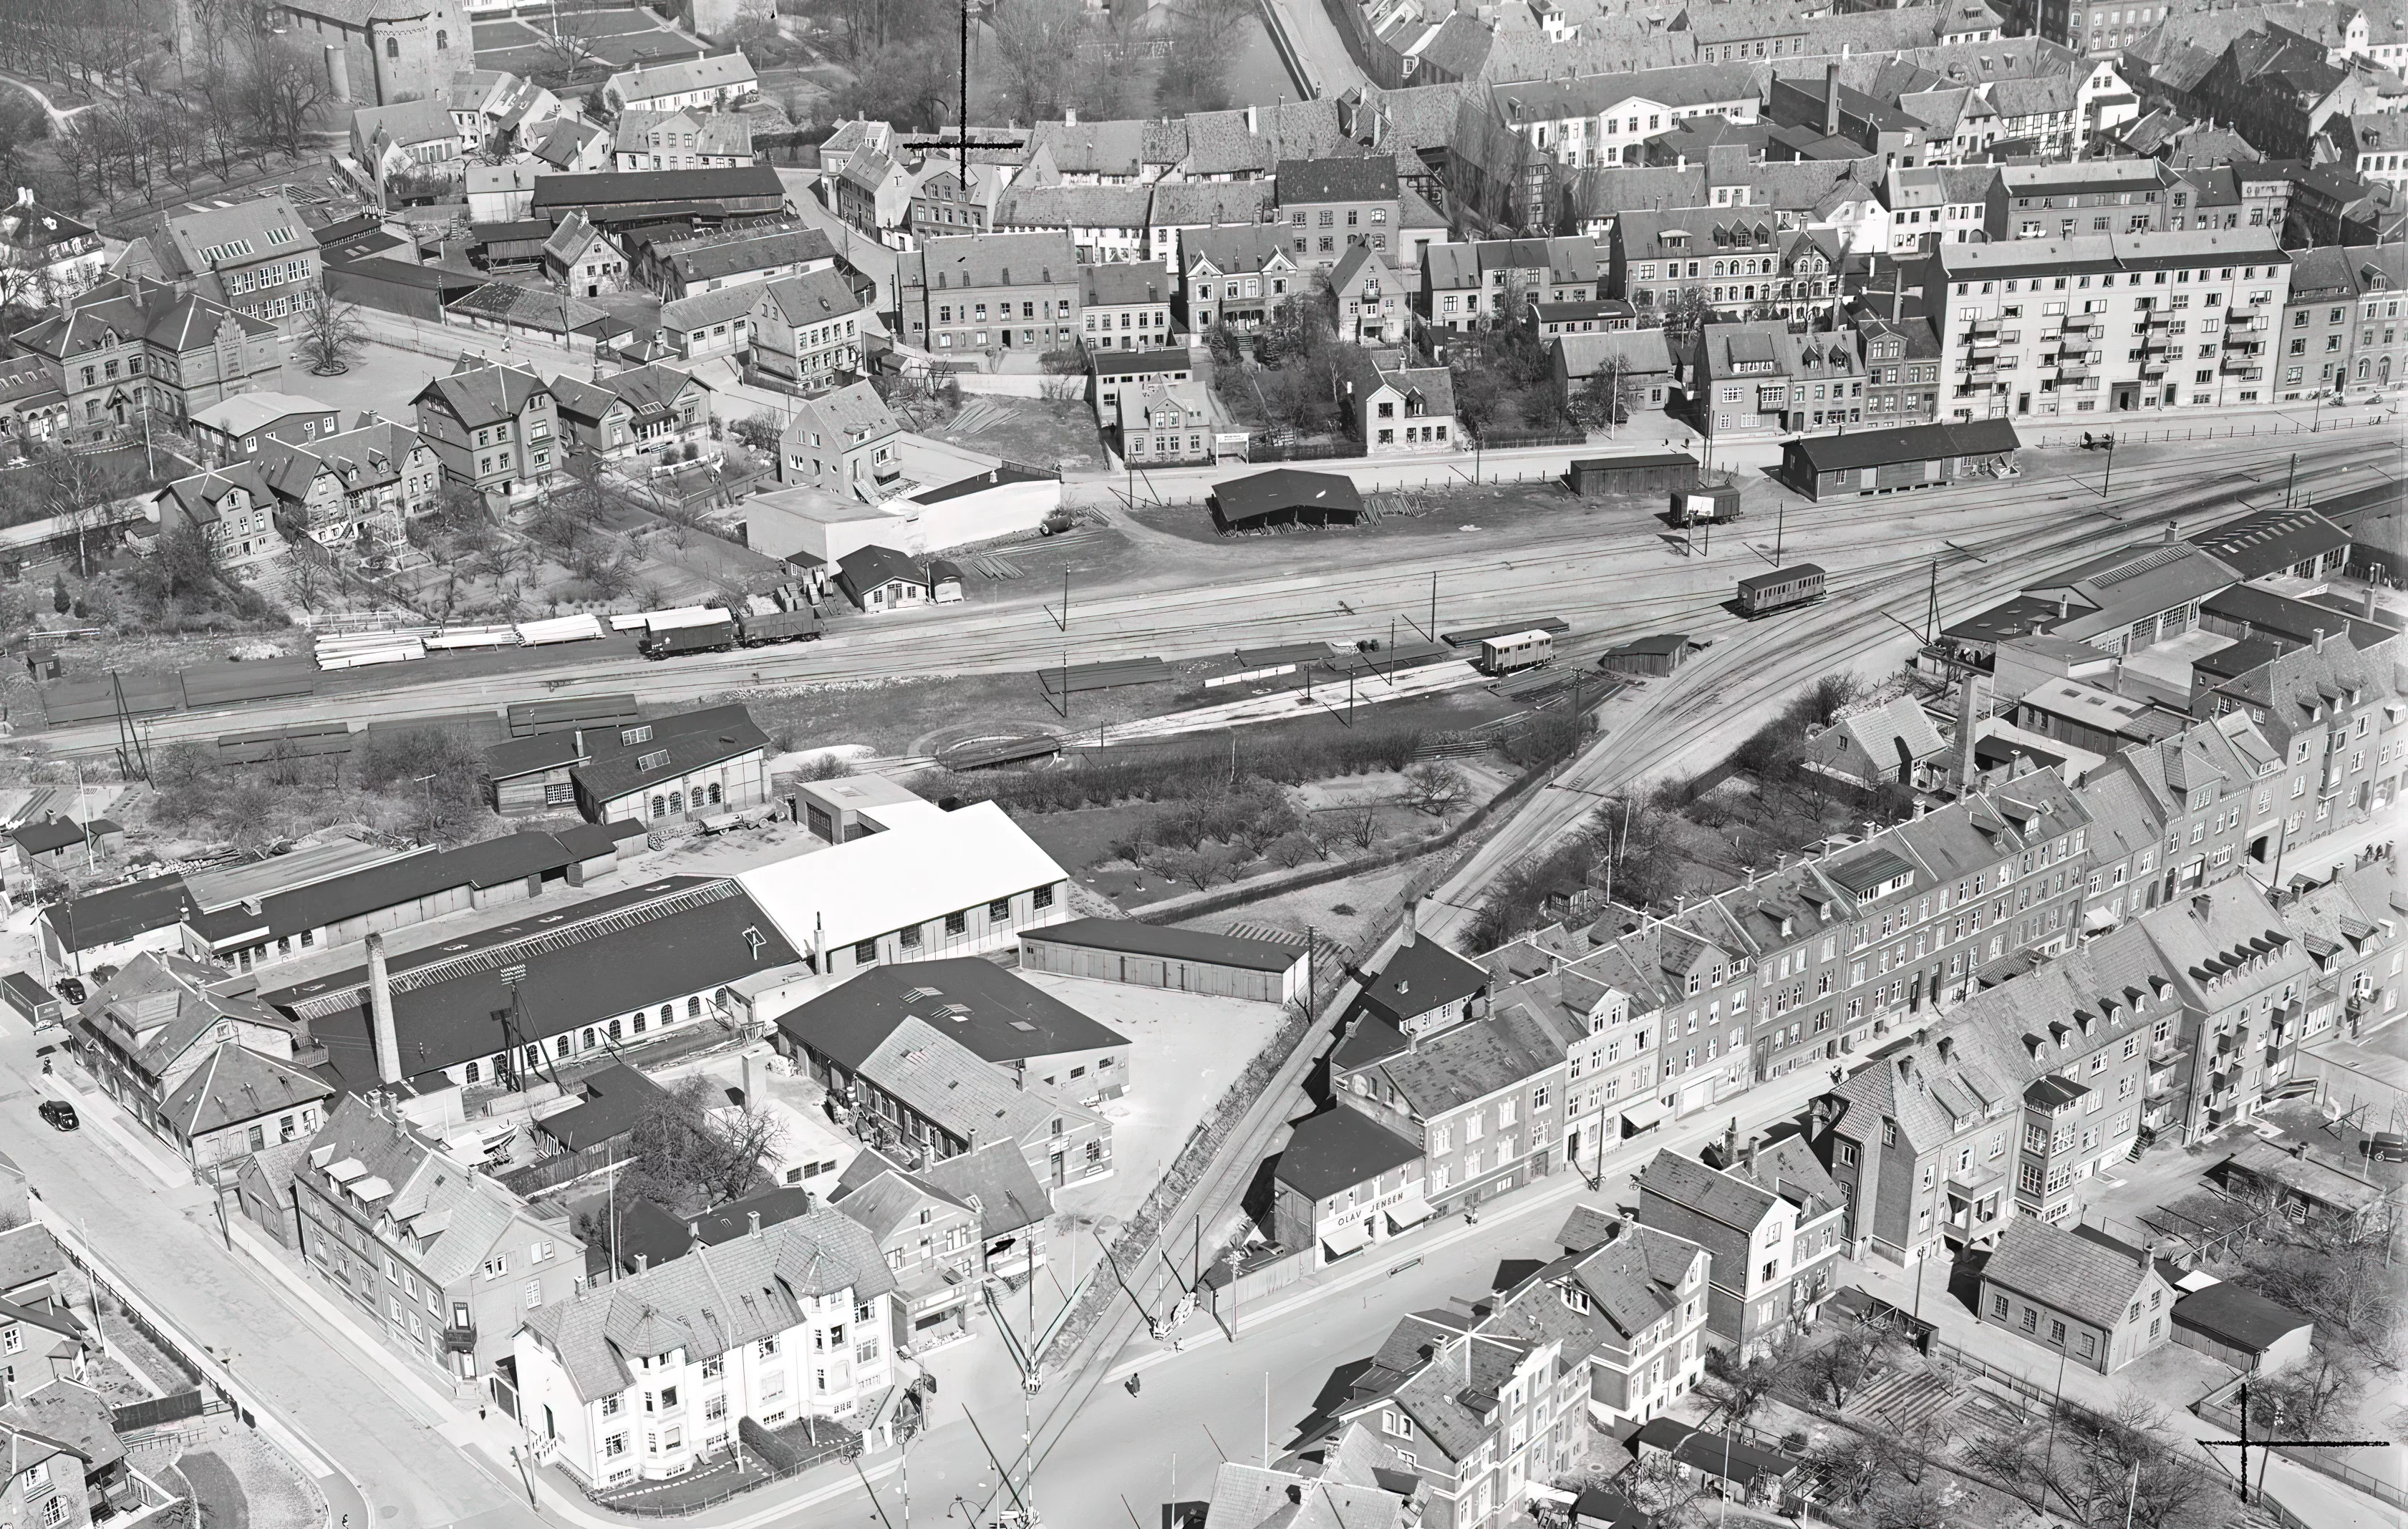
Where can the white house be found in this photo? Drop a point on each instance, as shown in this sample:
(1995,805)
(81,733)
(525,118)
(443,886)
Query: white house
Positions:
(647,1375)
(704,82)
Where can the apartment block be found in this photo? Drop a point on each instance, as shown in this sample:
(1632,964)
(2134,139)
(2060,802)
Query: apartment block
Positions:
(2119,323)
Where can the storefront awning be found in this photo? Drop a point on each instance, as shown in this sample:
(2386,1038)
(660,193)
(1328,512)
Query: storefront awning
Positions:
(1639,1117)
(1345,1239)
(1408,1213)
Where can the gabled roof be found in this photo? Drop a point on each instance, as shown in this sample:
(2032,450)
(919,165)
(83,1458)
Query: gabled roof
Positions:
(1338,1149)
(1303,181)
(483,393)
(454,1214)
(972,1001)
(2084,1276)
(713,1299)
(236,1085)
(995,1180)
(1422,975)
(719,72)
(607,955)
(809,297)
(719,258)
(674,746)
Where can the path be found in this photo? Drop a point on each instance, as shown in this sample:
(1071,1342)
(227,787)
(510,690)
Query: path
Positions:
(59,116)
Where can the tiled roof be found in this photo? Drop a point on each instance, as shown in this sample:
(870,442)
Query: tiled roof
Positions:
(237,1084)
(1304,182)
(1339,1148)
(484,394)
(694,74)
(713,1299)
(2082,1277)
(1073,207)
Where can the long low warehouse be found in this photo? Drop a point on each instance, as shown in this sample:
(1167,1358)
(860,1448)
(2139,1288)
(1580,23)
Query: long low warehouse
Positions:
(1911,456)
(1182,960)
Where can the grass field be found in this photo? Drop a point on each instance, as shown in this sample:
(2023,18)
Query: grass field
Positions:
(620,39)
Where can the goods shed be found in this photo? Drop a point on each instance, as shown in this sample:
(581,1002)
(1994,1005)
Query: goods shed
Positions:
(2241,1328)
(1651,656)
(1285,496)
(1182,960)
(1653,472)
(1911,456)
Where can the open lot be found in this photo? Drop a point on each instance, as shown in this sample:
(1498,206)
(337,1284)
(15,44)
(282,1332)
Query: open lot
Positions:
(1185,1050)
(1059,432)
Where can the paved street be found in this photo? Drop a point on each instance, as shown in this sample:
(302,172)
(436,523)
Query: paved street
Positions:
(1206,1402)
(166,1243)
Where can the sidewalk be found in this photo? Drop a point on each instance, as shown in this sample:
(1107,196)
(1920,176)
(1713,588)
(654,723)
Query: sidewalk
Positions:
(1760,1106)
(506,1448)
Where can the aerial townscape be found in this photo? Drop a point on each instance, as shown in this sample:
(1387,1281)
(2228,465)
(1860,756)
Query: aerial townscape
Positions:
(1184,764)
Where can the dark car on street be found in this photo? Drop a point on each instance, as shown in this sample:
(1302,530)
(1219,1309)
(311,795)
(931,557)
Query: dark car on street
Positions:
(60,1114)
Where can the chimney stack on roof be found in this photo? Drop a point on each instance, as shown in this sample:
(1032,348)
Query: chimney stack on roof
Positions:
(387,1042)
(2170,532)
(1830,100)
(752,1223)
(1412,927)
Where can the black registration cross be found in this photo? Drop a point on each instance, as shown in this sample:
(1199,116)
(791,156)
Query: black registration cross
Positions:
(2267,1446)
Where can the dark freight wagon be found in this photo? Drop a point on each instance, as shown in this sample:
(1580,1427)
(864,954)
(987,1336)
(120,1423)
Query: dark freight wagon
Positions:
(713,637)
(777,626)
(1778,589)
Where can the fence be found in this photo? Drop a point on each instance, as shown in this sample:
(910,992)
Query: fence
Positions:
(1498,440)
(2209,432)
(175,1407)
(552,1172)
(1302,451)
(2216,1408)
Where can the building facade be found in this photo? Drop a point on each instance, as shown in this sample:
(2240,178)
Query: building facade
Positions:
(2106,324)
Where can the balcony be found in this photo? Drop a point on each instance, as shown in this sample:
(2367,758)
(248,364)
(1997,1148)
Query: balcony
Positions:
(2153,366)
(2159,318)
(1982,327)
(460,1340)
(1972,1181)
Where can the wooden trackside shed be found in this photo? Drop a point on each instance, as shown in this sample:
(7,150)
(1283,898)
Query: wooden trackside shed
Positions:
(1182,960)
(1285,496)
(1655,472)
(1913,456)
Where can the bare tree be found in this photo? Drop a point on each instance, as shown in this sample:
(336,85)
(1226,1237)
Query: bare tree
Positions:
(1435,788)
(332,336)
(1036,54)
(694,1149)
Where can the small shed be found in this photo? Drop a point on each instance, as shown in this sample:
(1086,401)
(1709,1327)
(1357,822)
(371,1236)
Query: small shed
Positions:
(2241,1328)
(37,1004)
(1285,496)
(1182,960)
(1650,471)
(1911,456)
(1731,1465)
(944,581)
(1652,657)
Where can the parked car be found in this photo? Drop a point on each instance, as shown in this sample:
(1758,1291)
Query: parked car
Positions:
(72,989)
(60,1114)
(2388,1146)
